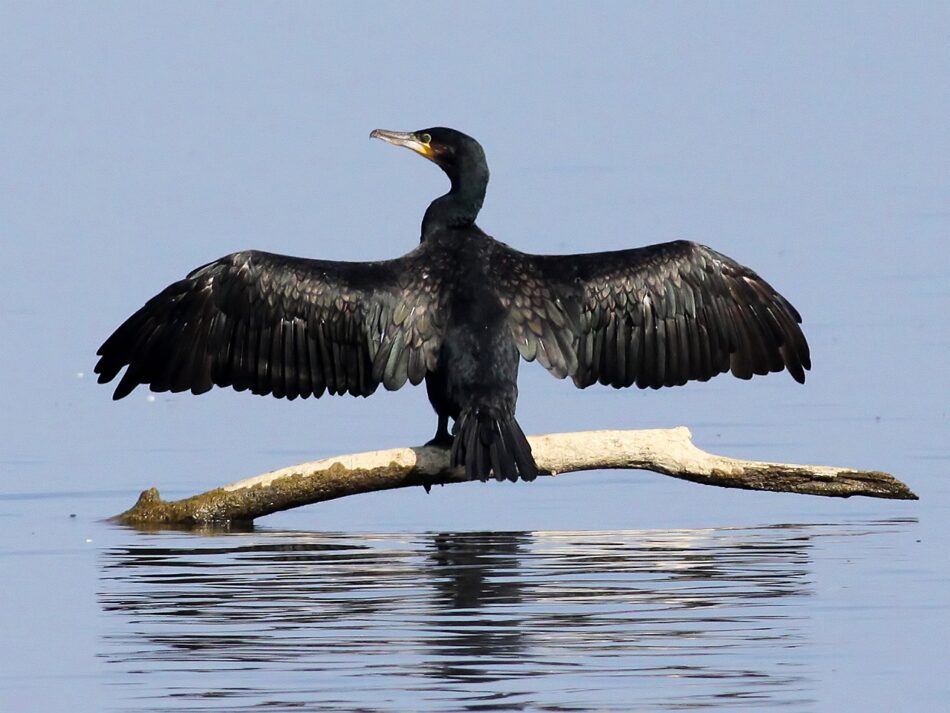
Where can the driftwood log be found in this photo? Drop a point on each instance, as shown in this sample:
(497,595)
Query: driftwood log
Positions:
(667,451)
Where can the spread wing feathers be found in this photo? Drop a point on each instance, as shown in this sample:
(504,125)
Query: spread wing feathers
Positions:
(284,326)
(542,316)
(655,316)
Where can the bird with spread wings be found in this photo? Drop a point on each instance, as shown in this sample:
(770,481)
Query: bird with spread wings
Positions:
(458,312)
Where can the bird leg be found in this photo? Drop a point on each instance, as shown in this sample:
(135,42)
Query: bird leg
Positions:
(442,438)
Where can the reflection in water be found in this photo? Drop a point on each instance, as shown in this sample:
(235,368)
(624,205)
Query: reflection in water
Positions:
(557,621)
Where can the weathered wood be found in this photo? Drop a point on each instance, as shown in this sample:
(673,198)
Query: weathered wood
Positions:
(668,451)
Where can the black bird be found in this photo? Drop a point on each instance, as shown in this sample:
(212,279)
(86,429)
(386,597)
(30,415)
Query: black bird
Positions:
(457,312)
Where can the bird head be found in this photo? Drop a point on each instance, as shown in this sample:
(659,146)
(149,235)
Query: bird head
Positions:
(451,150)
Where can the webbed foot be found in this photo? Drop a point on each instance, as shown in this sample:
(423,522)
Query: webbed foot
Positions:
(441,440)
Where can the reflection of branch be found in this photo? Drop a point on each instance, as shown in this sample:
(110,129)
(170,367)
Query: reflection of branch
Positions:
(668,451)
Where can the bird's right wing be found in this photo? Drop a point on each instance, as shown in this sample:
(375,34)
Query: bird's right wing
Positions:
(655,316)
(284,326)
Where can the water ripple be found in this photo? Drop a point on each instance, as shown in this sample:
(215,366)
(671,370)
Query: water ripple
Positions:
(547,621)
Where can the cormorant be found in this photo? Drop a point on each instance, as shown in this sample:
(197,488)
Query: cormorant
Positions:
(458,311)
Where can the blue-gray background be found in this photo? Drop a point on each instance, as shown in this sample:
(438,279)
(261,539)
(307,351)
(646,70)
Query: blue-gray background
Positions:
(808,141)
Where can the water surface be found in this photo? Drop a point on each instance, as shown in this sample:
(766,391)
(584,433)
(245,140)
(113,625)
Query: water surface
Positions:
(559,621)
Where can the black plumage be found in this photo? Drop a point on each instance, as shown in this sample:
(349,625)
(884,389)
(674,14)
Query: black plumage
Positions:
(458,312)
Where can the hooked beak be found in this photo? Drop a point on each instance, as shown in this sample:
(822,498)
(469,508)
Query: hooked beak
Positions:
(402,138)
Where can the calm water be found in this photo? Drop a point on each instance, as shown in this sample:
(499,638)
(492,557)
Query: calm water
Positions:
(808,141)
(557,621)
(848,613)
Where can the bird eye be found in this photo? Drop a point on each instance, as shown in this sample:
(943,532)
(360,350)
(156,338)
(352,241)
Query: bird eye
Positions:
(425,138)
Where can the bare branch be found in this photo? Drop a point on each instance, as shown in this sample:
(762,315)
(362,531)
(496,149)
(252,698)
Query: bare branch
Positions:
(668,451)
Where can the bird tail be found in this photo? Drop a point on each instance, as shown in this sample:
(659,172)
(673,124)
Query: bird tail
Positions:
(491,443)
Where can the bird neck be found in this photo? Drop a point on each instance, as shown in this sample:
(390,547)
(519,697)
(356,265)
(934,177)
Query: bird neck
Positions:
(460,206)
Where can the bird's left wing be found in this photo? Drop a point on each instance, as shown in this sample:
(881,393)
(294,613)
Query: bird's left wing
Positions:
(655,316)
(284,326)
